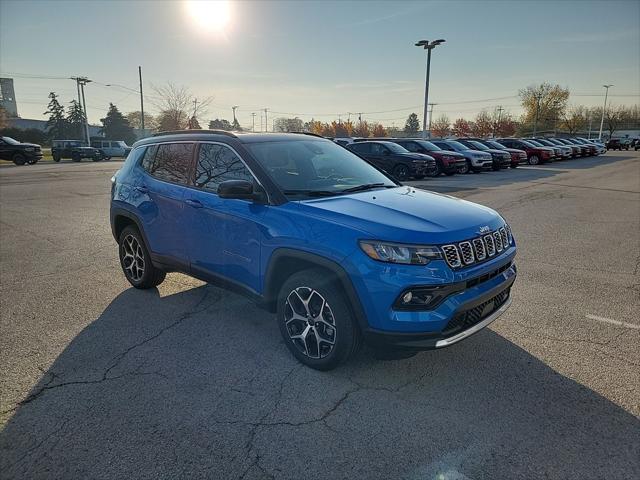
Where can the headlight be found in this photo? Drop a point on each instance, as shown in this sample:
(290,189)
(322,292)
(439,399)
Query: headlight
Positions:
(400,253)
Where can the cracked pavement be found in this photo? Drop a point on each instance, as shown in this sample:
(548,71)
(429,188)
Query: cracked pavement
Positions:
(99,380)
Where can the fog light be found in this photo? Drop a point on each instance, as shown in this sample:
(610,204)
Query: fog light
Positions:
(406,298)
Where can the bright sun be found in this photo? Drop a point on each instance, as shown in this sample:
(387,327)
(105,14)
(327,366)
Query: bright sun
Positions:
(210,15)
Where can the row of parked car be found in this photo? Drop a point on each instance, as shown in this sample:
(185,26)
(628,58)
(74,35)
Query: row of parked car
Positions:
(414,158)
(30,153)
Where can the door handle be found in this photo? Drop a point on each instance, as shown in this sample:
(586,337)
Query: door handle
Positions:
(193,203)
(142,188)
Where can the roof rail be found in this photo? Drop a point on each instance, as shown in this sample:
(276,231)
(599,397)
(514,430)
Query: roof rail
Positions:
(191,132)
(310,134)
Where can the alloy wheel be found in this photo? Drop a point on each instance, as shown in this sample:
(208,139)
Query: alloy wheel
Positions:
(310,323)
(132,258)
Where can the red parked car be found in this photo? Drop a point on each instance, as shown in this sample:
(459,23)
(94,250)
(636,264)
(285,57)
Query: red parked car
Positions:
(535,155)
(446,162)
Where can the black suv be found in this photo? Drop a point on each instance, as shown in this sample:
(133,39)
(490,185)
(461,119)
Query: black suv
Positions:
(501,159)
(75,150)
(446,162)
(19,153)
(394,159)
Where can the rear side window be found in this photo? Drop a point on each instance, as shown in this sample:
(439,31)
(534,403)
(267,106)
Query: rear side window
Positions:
(411,146)
(378,149)
(361,147)
(217,164)
(170,162)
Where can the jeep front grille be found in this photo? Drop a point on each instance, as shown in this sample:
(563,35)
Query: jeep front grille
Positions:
(479,249)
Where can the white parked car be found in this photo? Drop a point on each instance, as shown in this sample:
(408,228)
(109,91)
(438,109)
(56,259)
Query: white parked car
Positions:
(111,148)
(601,148)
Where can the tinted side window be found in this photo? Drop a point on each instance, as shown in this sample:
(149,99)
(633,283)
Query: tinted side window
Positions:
(216,164)
(361,147)
(169,161)
(377,149)
(411,146)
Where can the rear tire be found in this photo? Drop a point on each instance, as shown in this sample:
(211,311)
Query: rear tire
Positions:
(135,260)
(75,157)
(315,320)
(56,158)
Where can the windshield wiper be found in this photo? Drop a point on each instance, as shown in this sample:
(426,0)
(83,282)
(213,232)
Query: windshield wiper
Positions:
(366,186)
(312,193)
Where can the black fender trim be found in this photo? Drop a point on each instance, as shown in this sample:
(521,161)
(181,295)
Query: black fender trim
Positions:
(272,282)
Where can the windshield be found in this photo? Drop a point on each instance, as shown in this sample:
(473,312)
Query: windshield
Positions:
(477,145)
(496,145)
(544,142)
(535,144)
(428,146)
(528,143)
(459,147)
(10,141)
(315,167)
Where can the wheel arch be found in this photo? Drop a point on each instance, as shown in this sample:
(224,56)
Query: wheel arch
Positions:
(285,261)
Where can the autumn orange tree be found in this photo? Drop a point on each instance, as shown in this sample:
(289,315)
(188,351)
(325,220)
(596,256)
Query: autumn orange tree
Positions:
(362,129)
(461,128)
(440,126)
(379,130)
(482,126)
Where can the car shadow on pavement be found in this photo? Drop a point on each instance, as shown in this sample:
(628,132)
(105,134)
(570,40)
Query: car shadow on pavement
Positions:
(198,384)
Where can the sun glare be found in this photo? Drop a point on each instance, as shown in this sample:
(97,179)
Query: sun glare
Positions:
(210,15)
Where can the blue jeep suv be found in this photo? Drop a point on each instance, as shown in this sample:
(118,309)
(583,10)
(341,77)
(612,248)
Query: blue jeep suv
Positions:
(338,249)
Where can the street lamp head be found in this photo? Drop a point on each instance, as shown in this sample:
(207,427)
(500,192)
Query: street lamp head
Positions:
(422,43)
(438,42)
(607,86)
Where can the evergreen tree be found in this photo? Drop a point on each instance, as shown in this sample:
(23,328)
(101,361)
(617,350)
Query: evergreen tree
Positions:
(412,124)
(115,126)
(75,121)
(57,123)
(220,124)
(193,124)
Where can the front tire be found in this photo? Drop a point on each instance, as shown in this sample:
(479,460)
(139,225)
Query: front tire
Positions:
(136,261)
(401,172)
(466,168)
(534,160)
(436,171)
(75,157)
(315,320)
(19,159)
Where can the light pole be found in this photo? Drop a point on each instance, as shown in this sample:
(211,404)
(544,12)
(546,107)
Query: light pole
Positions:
(428,46)
(606,93)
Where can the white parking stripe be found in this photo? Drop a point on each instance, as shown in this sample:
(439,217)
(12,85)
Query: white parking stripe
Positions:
(613,322)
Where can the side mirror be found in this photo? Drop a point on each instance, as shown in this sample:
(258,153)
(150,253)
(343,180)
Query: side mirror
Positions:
(240,190)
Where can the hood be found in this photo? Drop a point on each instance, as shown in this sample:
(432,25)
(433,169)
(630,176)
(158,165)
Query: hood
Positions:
(495,151)
(514,150)
(406,215)
(415,156)
(483,153)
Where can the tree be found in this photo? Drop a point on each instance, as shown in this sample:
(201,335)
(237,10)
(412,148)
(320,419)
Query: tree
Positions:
(177,106)
(379,130)
(75,121)
(362,129)
(440,127)
(27,135)
(314,126)
(288,125)
(482,125)
(193,124)
(57,123)
(116,127)
(220,124)
(613,118)
(544,104)
(150,122)
(412,125)
(574,119)
(339,130)
(461,128)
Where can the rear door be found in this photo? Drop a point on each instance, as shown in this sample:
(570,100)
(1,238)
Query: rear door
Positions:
(224,235)
(168,168)
(5,151)
(380,157)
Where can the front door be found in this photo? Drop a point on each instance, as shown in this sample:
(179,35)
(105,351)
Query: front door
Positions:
(224,237)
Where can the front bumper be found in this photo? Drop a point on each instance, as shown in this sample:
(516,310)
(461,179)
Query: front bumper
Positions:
(468,318)
(452,166)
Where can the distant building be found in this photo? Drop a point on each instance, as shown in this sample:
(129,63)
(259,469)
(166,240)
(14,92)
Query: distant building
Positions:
(24,123)
(8,97)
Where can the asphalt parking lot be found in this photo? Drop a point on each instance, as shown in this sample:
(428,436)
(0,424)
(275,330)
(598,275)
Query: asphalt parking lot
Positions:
(99,380)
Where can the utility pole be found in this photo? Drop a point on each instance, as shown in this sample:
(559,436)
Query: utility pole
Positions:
(603,109)
(266,122)
(81,82)
(141,104)
(497,125)
(253,121)
(431,116)
(538,96)
(234,113)
(590,122)
(428,46)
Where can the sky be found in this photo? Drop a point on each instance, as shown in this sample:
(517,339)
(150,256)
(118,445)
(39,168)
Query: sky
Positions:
(322,59)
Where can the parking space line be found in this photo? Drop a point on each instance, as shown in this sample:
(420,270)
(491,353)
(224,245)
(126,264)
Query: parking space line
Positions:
(613,322)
